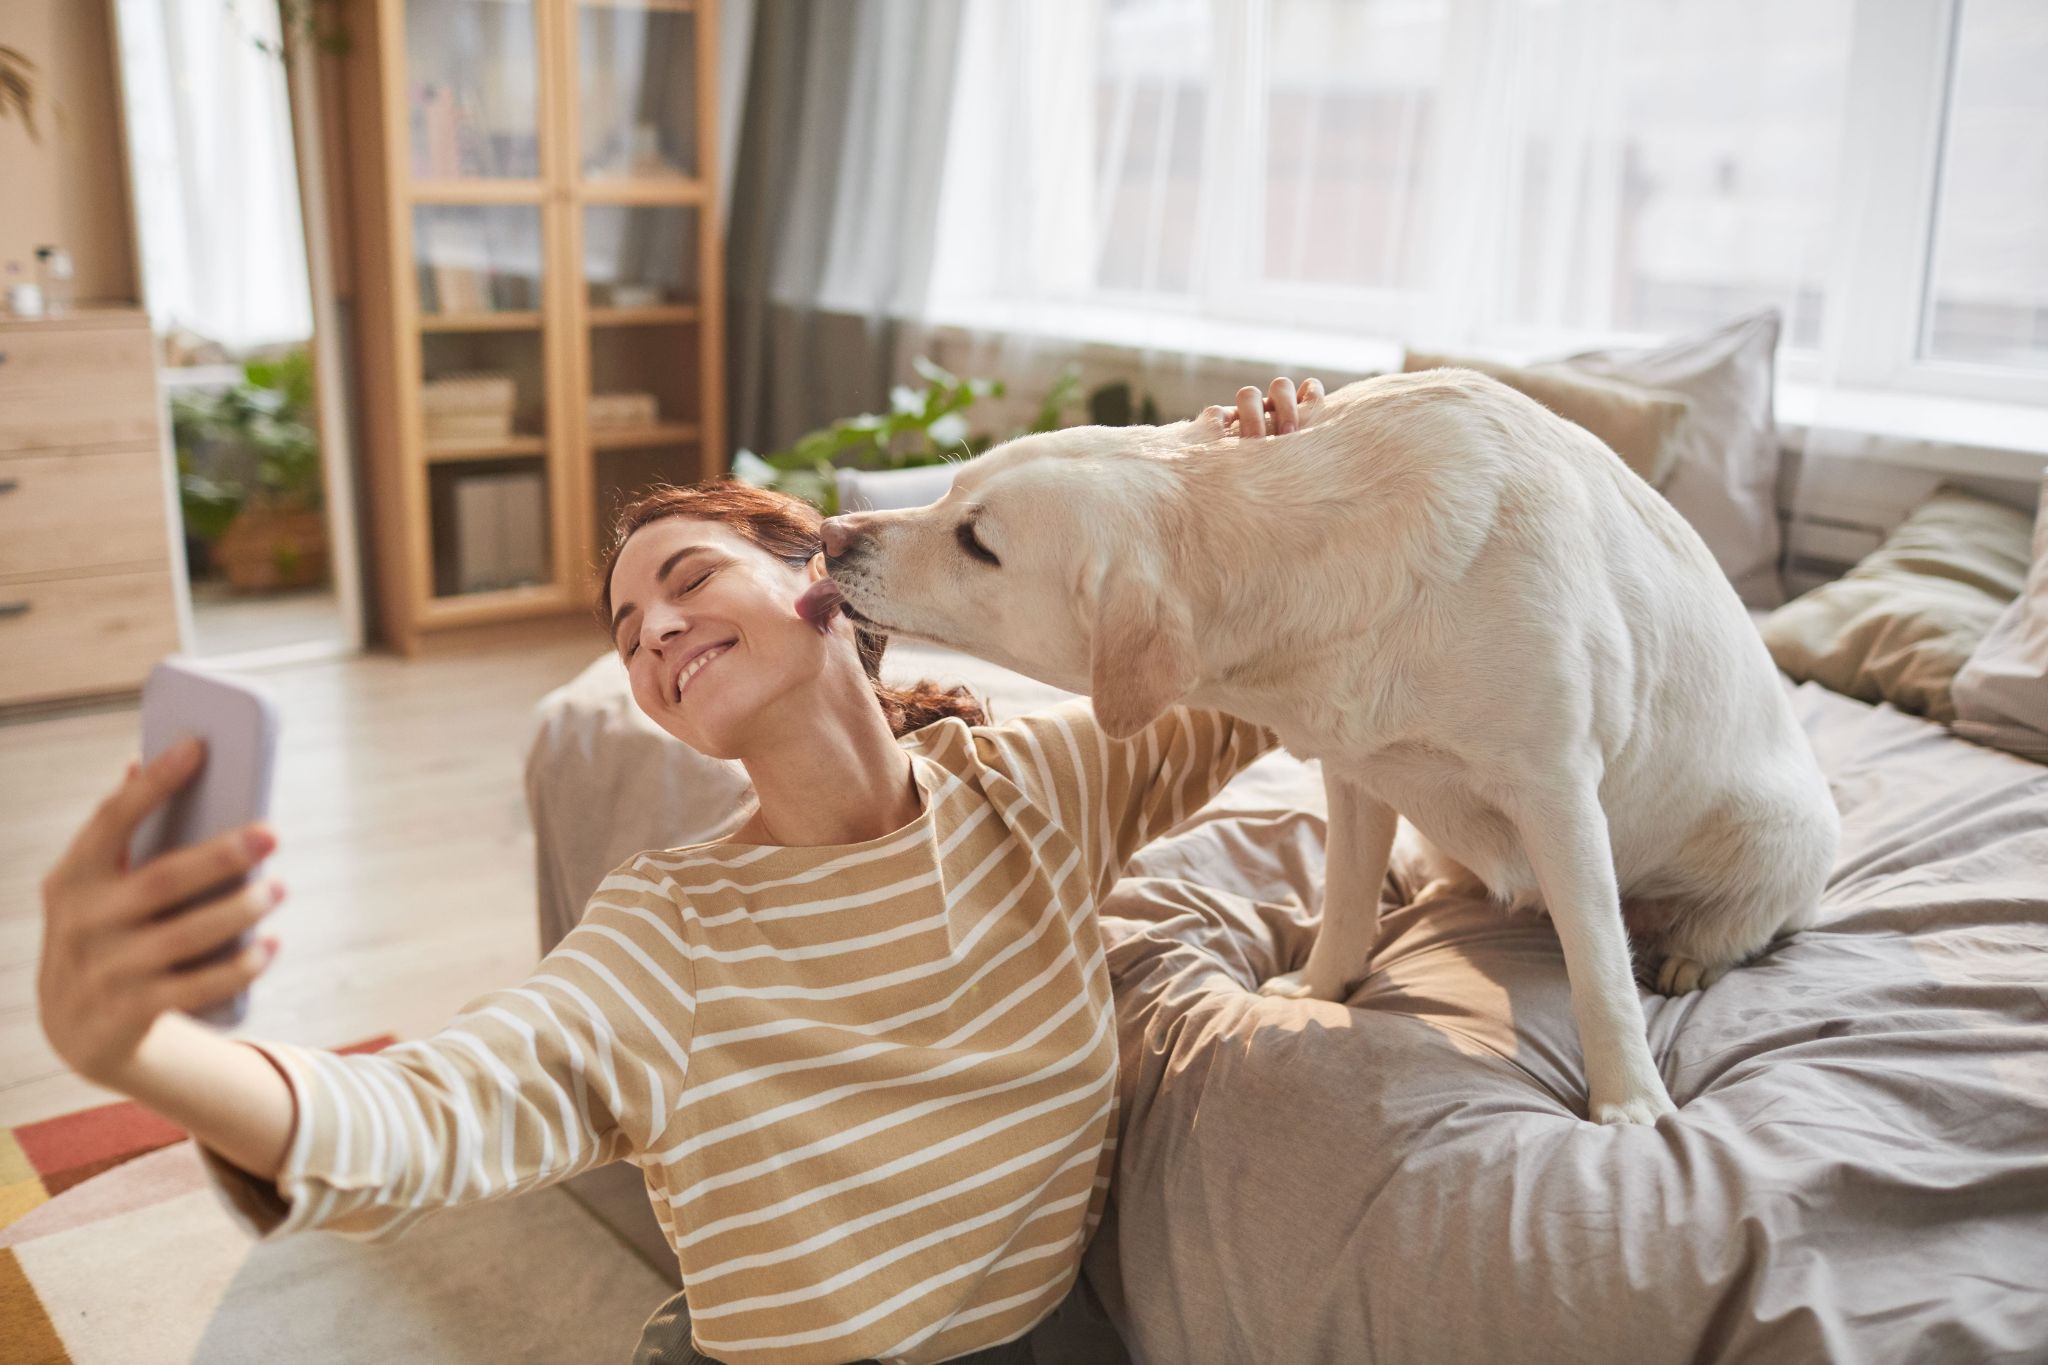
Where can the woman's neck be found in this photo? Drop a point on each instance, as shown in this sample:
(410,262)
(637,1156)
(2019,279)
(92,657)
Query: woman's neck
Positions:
(830,778)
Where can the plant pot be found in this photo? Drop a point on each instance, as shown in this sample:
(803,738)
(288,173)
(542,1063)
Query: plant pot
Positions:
(265,550)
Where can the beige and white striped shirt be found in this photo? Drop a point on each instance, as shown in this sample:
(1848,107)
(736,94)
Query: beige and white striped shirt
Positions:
(872,1086)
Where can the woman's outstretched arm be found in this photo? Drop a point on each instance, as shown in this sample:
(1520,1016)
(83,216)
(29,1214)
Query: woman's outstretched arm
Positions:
(527,1085)
(109,990)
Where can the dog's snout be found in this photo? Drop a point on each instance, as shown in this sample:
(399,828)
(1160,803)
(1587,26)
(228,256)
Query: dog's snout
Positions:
(838,533)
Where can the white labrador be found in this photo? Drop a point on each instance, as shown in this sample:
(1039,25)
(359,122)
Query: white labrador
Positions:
(1468,608)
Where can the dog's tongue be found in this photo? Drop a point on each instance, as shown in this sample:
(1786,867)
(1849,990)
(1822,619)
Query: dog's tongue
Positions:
(819,604)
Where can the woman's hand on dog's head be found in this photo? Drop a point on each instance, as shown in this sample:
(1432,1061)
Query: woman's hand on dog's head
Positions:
(1283,407)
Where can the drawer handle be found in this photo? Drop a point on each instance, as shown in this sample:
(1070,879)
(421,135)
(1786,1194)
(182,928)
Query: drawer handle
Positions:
(14,609)
(9,485)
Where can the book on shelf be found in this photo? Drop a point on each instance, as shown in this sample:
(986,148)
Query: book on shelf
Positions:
(500,530)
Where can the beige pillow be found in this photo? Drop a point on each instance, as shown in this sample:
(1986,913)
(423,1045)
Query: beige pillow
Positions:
(1636,423)
(1900,624)
(2001,694)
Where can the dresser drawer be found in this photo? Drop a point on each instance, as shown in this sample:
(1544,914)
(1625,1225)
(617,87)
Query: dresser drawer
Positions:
(62,513)
(63,637)
(77,386)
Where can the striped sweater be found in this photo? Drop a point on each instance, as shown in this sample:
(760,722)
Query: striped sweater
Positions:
(872,1087)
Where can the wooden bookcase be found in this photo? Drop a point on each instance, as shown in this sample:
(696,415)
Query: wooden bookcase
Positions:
(531,196)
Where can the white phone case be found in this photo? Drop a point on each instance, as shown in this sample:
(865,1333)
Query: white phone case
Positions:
(238,722)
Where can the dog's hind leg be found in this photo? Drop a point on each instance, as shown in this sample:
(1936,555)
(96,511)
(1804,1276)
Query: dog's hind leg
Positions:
(1756,882)
(1361,842)
(1564,833)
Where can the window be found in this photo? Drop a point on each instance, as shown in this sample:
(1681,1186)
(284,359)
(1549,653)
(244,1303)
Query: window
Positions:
(1518,174)
(1988,292)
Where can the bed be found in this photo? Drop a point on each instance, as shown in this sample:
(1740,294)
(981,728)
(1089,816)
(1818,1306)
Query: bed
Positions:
(1859,1170)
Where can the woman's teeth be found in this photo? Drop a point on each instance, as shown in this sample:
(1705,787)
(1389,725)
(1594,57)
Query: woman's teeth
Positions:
(690,670)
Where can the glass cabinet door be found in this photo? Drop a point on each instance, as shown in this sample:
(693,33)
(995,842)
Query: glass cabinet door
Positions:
(640,255)
(637,89)
(473,259)
(473,89)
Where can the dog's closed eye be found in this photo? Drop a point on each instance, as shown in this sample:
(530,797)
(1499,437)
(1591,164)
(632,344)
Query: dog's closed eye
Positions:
(971,543)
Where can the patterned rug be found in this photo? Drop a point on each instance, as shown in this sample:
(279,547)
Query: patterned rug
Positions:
(113,1248)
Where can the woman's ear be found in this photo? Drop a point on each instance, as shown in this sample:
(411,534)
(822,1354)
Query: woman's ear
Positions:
(815,569)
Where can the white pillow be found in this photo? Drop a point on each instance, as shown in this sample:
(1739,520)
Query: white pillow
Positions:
(885,490)
(2001,693)
(1725,478)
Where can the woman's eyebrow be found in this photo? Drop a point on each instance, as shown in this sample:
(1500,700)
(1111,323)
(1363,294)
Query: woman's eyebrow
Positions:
(660,577)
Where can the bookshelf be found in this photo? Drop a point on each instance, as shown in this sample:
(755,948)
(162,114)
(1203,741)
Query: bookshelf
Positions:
(540,326)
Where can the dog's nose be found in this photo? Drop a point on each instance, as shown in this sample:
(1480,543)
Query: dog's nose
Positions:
(837,534)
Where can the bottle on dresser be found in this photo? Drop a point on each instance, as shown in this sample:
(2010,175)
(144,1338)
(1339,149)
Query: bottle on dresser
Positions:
(54,273)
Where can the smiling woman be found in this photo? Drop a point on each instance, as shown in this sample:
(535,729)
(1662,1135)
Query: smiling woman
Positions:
(862,1050)
(723,564)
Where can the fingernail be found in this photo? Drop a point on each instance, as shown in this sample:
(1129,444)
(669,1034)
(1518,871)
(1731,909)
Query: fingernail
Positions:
(256,841)
(185,750)
(273,891)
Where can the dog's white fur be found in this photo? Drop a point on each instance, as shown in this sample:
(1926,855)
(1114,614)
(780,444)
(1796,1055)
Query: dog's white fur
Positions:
(1468,608)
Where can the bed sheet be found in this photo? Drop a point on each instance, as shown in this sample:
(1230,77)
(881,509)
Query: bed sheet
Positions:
(1858,1171)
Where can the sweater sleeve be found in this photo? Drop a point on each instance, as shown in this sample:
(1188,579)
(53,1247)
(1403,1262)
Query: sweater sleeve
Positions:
(526,1086)
(1115,796)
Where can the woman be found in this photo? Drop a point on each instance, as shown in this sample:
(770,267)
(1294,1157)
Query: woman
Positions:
(862,1049)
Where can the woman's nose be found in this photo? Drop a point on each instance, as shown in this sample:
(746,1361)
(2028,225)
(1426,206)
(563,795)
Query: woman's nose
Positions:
(663,622)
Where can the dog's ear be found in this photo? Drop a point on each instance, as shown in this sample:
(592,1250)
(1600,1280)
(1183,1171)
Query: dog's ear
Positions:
(1142,659)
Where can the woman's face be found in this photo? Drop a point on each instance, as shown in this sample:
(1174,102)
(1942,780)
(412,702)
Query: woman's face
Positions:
(706,622)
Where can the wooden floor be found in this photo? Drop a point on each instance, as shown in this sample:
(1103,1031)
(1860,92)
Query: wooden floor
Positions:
(402,841)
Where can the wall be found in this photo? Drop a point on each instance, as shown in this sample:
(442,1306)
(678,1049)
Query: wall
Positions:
(71,189)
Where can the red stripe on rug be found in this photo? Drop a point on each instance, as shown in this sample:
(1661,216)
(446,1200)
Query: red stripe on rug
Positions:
(73,1147)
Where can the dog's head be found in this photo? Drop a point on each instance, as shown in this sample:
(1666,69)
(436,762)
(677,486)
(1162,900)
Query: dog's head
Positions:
(1059,555)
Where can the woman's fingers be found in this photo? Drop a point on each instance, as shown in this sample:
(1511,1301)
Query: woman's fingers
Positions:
(172,878)
(1251,413)
(102,845)
(194,990)
(1280,397)
(204,928)
(1311,391)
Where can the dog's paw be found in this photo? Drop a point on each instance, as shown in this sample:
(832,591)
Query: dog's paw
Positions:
(1297,986)
(1682,975)
(1645,1108)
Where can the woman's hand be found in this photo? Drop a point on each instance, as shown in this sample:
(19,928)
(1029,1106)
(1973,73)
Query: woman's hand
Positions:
(110,967)
(1282,408)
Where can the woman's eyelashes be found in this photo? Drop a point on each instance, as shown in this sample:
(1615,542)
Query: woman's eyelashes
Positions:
(633,645)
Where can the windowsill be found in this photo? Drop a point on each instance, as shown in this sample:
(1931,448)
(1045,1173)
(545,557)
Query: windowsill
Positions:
(1964,436)
(1326,352)
(1925,431)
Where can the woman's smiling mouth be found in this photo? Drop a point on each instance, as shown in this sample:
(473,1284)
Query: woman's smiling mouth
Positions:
(694,667)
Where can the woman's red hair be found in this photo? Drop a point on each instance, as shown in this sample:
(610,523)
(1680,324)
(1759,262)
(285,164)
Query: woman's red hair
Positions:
(786,527)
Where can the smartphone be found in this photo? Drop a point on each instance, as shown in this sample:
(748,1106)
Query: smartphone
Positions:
(238,723)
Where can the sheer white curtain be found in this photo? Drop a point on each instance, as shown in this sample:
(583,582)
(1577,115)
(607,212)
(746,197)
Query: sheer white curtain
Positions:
(1492,173)
(210,148)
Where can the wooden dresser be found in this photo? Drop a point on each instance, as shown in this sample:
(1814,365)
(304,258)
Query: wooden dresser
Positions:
(87,596)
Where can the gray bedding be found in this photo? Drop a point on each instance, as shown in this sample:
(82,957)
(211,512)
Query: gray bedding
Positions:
(1859,1169)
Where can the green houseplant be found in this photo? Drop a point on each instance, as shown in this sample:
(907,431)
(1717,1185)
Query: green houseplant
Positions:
(924,426)
(249,477)
(18,89)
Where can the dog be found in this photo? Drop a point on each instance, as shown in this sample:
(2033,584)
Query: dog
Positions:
(1469,609)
